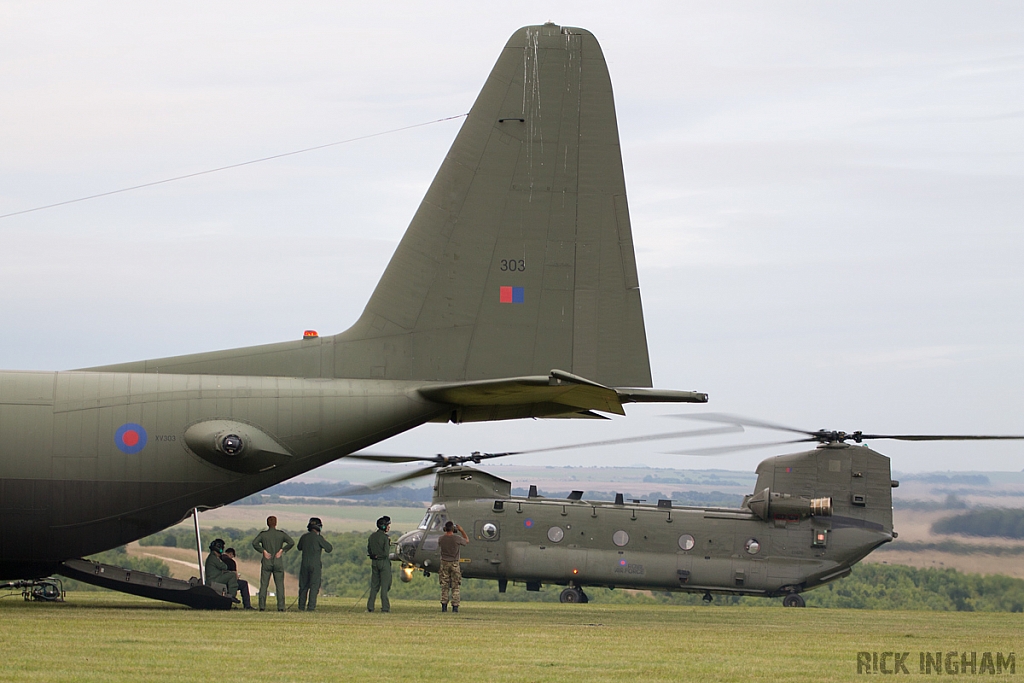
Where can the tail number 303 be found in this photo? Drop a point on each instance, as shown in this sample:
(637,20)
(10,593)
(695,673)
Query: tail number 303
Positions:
(513,264)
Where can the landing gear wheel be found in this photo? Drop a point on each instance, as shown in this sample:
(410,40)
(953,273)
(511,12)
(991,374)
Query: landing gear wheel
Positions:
(793,600)
(571,595)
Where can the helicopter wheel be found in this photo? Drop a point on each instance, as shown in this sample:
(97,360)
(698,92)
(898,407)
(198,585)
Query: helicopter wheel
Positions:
(572,596)
(793,600)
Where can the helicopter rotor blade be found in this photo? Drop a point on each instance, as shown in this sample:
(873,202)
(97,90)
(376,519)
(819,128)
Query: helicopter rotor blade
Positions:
(373,487)
(939,437)
(723,450)
(381,457)
(744,421)
(825,436)
(728,429)
(476,457)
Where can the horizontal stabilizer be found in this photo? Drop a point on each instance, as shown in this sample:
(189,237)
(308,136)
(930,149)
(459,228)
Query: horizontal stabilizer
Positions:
(660,396)
(559,394)
(566,395)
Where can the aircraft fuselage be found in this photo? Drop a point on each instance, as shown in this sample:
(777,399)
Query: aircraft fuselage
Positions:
(95,460)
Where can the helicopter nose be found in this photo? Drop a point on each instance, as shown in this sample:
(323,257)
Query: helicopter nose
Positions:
(405,547)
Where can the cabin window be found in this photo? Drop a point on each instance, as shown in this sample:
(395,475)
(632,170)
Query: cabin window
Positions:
(555,534)
(426,521)
(489,530)
(752,546)
(620,538)
(686,542)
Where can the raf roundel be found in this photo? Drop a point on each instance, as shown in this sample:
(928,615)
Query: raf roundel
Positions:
(130,438)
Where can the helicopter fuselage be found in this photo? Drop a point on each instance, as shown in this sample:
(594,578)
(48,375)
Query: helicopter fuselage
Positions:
(777,543)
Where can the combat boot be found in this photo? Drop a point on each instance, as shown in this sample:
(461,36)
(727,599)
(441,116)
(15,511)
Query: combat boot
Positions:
(455,608)
(444,606)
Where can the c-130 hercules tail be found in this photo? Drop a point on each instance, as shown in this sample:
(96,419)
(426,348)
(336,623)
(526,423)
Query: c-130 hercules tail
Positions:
(513,294)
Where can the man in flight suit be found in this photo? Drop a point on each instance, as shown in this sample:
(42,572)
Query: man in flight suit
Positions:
(310,545)
(378,547)
(217,570)
(272,543)
(451,572)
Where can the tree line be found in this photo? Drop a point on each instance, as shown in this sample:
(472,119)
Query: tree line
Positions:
(1005,522)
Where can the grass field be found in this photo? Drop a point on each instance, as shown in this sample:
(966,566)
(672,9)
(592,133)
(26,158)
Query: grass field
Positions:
(104,637)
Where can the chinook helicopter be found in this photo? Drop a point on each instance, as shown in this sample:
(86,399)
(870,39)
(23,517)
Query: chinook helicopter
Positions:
(812,516)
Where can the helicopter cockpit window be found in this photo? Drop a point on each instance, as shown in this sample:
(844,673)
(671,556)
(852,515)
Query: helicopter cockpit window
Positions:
(555,534)
(686,542)
(426,521)
(620,538)
(439,522)
(753,546)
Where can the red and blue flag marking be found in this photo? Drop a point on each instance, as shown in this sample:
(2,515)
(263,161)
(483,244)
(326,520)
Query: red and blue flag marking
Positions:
(511,295)
(130,438)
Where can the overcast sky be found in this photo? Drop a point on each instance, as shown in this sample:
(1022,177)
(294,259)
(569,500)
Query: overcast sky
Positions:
(826,198)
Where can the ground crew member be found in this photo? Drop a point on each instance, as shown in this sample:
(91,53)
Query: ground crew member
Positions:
(228,556)
(378,547)
(310,545)
(451,573)
(217,570)
(273,544)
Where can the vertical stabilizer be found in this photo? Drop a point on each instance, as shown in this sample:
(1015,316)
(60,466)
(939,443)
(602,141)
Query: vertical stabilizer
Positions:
(518,261)
(520,257)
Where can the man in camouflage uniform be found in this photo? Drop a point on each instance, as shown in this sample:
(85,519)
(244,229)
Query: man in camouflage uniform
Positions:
(272,543)
(451,573)
(310,545)
(378,547)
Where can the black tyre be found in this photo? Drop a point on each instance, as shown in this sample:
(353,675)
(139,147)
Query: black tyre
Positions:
(793,600)
(570,595)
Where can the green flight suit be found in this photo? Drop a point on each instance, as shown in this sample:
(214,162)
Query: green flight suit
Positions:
(270,541)
(310,545)
(217,571)
(378,547)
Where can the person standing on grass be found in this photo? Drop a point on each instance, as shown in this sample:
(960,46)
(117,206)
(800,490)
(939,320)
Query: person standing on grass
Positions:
(310,545)
(451,573)
(272,543)
(378,548)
